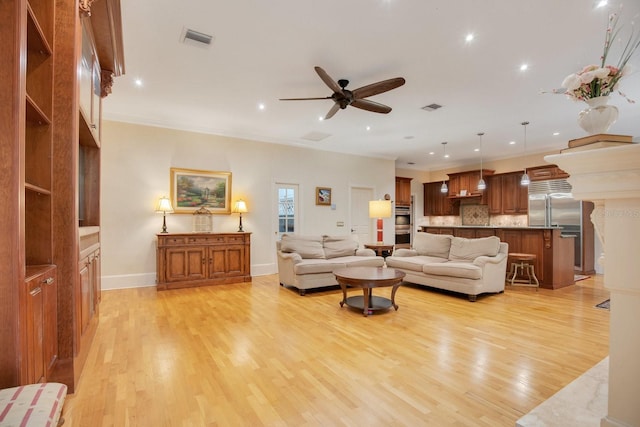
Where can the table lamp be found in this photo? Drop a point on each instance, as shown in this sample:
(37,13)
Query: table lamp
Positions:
(380,209)
(164,206)
(239,207)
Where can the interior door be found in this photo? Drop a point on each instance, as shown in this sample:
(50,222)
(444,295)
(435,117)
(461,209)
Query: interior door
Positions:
(361,224)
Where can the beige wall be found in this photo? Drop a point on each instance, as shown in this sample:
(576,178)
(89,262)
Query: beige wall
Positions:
(135,173)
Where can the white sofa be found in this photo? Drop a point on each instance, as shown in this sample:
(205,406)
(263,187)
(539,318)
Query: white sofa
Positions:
(468,266)
(307,262)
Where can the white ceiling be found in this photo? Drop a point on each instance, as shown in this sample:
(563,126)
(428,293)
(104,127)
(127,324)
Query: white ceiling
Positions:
(265,50)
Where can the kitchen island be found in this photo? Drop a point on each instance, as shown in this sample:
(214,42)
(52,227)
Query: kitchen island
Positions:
(554,251)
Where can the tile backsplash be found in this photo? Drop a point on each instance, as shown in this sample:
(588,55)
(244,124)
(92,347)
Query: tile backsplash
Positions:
(474,214)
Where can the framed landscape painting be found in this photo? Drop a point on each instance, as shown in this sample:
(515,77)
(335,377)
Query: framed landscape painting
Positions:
(194,189)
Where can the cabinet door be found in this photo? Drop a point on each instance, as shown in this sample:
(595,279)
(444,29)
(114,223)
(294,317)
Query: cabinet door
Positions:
(467,233)
(35,331)
(430,200)
(85,295)
(494,194)
(403,191)
(511,193)
(185,263)
(50,319)
(454,185)
(217,262)
(235,260)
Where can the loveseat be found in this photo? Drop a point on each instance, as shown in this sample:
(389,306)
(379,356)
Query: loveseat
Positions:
(468,266)
(307,262)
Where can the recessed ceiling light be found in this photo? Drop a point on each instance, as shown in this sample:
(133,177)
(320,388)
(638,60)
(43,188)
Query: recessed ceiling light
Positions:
(321,118)
(368,128)
(469,37)
(524,67)
(411,163)
(556,133)
(476,149)
(138,82)
(261,106)
(431,153)
(601,3)
(409,137)
(512,143)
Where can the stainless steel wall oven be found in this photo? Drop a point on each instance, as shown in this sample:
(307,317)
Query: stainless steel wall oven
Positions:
(404,226)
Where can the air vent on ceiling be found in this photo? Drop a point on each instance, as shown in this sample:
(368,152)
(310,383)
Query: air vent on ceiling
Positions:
(196,38)
(431,107)
(316,136)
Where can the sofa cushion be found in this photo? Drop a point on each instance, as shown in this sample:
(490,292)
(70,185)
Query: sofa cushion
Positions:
(337,246)
(469,249)
(413,263)
(436,245)
(305,246)
(313,266)
(464,270)
(362,261)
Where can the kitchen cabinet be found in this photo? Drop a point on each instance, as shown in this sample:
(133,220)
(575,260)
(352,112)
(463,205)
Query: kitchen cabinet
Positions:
(494,194)
(200,259)
(546,172)
(437,203)
(515,197)
(403,191)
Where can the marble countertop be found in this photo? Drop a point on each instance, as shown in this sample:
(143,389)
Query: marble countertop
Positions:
(524,227)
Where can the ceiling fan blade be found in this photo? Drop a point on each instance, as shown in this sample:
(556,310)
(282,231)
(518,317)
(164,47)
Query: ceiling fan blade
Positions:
(332,111)
(376,88)
(303,99)
(333,85)
(365,104)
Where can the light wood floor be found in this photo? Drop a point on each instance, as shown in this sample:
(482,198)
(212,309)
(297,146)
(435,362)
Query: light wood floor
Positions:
(261,355)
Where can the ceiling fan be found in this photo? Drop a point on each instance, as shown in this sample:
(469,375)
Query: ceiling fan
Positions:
(342,97)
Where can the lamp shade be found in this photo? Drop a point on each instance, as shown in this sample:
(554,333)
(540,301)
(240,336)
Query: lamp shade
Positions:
(380,209)
(240,206)
(164,205)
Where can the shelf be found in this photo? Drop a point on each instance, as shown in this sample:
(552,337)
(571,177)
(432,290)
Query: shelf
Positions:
(86,135)
(468,196)
(35,115)
(35,35)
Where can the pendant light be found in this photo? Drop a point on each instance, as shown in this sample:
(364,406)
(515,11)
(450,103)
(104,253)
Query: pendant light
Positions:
(444,188)
(481,184)
(525,177)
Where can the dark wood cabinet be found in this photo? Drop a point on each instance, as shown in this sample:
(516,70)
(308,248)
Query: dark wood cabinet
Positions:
(546,172)
(200,259)
(515,197)
(403,191)
(437,203)
(494,194)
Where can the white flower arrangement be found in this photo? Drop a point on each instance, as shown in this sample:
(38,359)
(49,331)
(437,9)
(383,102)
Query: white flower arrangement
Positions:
(602,80)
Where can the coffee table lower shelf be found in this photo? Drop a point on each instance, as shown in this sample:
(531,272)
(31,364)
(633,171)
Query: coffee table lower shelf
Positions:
(375,303)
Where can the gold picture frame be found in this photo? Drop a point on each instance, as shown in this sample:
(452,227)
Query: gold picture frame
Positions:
(192,189)
(323,196)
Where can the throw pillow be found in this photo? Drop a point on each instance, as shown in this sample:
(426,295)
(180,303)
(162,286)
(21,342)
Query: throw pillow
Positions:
(469,249)
(337,246)
(436,245)
(305,246)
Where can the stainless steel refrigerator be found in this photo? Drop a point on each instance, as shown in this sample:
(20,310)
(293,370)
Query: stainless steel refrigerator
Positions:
(551,204)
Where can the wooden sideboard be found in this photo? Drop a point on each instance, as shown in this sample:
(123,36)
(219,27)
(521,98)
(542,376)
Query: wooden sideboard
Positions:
(554,252)
(202,259)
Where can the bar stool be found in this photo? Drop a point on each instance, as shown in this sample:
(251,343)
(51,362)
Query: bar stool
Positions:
(523,263)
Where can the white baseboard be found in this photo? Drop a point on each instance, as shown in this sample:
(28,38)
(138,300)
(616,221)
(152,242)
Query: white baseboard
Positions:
(143,280)
(125,281)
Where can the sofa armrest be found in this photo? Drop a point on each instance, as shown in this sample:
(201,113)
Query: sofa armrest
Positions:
(290,257)
(482,260)
(365,252)
(405,252)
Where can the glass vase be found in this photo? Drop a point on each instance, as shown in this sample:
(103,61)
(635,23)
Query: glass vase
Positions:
(598,116)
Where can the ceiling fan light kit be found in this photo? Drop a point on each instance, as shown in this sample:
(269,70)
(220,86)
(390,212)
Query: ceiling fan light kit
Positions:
(343,98)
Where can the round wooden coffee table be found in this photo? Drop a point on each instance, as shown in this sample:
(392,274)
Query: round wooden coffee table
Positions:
(368,278)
